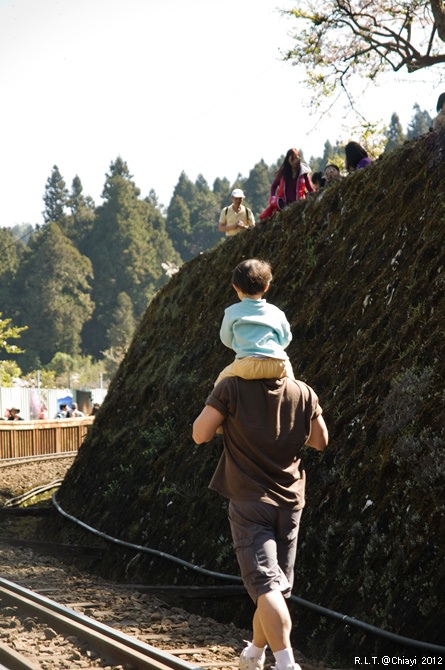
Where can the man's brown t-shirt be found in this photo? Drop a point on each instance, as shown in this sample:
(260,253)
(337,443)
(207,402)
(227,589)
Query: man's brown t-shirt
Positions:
(267,423)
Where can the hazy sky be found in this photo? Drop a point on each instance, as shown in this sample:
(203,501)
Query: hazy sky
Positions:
(168,85)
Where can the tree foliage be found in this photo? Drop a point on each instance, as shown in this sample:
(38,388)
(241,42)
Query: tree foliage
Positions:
(9,332)
(12,251)
(55,198)
(336,40)
(420,123)
(127,245)
(52,288)
(80,221)
(192,216)
(395,135)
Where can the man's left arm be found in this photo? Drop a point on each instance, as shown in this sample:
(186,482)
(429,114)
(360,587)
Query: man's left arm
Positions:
(205,425)
(319,436)
(250,219)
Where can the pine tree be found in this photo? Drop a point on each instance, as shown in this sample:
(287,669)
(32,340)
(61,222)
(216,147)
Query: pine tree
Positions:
(192,217)
(11,253)
(55,198)
(80,222)
(179,225)
(127,244)
(204,213)
(420,123)
(119,334)
(257,188)
(52,288)
(396,136)
(221,190)
(123,323)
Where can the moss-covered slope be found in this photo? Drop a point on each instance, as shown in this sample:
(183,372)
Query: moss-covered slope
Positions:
(359,270)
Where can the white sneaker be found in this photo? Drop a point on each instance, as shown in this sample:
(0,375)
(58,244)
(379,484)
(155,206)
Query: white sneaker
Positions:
(250,663)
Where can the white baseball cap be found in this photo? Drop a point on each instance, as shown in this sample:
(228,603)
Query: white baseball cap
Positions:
(237,193)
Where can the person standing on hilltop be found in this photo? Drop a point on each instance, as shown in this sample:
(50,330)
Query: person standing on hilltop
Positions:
(356,157)
(292,182)
(236,217)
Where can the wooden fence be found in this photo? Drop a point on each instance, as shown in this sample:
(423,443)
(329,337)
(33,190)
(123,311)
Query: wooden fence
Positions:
(36,438)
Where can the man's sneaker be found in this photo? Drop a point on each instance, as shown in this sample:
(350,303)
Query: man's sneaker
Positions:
(295,666)
(250,663)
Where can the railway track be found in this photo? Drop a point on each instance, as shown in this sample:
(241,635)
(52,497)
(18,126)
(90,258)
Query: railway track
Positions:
(144,616)
(152,616)
(101,638)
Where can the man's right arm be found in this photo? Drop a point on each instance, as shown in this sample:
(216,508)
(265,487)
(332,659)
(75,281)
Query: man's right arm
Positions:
(205,425)
(319,437)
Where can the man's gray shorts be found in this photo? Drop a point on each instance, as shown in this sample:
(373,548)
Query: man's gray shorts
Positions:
(265,540)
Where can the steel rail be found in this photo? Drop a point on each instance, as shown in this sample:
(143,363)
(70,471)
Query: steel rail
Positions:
(15,661)
(23,460)
(103,638)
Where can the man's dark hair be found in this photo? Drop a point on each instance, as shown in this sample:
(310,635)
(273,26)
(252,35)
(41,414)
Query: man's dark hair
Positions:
(252,276)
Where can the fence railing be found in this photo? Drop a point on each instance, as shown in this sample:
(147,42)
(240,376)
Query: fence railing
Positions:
(37,438)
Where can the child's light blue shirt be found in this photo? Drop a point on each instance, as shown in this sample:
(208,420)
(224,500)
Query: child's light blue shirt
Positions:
(255,328)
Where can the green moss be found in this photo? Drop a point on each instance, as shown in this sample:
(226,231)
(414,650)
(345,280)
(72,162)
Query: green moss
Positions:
(359,271)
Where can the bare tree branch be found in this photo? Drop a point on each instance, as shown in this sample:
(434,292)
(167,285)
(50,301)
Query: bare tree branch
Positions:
(337,40)
(438,10)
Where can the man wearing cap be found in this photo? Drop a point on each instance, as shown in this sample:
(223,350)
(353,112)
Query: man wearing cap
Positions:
(236,217)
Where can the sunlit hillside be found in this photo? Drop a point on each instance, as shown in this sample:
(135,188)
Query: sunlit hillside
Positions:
(359,270)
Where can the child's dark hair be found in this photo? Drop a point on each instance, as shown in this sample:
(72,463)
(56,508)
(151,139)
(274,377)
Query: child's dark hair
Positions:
(317,178)
(252,276)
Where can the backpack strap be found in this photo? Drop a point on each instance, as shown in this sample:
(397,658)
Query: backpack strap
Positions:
(225,214)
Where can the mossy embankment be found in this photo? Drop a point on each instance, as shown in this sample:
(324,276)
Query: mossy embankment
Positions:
(359,270)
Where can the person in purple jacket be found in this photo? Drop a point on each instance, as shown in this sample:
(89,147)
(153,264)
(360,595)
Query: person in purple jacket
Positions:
(356,157)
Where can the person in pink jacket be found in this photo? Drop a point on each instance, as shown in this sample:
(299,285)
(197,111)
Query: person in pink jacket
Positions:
(292,182)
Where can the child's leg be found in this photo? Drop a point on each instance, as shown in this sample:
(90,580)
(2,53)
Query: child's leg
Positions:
(227,372)
(252,367)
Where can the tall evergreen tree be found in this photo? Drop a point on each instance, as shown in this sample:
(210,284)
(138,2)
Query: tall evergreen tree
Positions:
(204,212)
(192,217)
(127,244)
(396,136)
(55,198)
(179,225)
(52,288)
(420,123)
(123,323)
(221,189)
(257,188)
(328,153)
(80,223)
(11,253)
